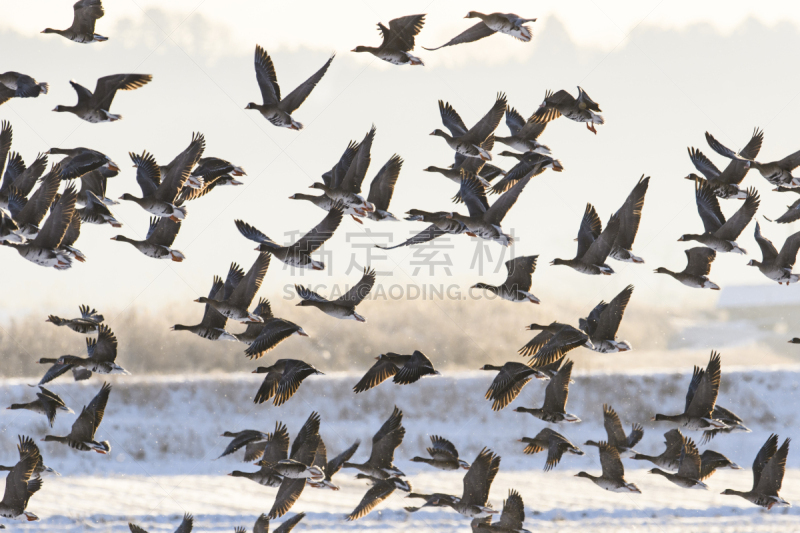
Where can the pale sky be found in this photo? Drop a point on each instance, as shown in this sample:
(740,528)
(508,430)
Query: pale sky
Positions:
(663,72)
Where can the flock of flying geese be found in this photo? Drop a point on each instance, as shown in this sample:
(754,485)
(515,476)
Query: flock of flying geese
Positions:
(44,224)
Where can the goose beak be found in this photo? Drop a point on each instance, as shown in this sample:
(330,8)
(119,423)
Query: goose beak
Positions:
(113,166)
(432,133)
(353,50)
(197,301)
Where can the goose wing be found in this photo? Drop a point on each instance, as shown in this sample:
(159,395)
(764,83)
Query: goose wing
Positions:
(108,86)
(415,368)
(513,512)
(387,439)
(55,227)
(246,290)
(704,165)
(598,251)
(451,119)
(382,187)
(611,316)
(699,260)
(705,397)
(289,524)
(616,435)
(499,209)
(788,253)
(767,452)
(293,374)
(731,229)
(610,462)
(40,201)
(768,251)
(473,194)
(772,473)
(589,231)
(163,231)
(471,34)
(481,131)
(84,428)
(314,239)
(375,495)
(360,290)
(377,374)
(86,13)
(335,464)
(708,207)
(104,347)
(266,77)
(690,460)
(520,272)
(478,479)
(357,170)
(180,169)
(148,173)
(294,99)
(275,331)
(557,391)
(401,32)
(630,214)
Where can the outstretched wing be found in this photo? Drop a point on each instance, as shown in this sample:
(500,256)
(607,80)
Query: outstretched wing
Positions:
(293,100)
(472,34)
(360,290)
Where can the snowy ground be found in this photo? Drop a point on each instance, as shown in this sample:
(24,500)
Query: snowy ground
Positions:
(165,432)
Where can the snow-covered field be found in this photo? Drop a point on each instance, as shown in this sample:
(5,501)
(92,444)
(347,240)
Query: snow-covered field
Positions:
(164,433)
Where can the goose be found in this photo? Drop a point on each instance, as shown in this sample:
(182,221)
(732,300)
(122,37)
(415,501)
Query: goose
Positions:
(29,213)
(594,244)
(382,188)
(212,326)
(507,23)
(209,168)
(508,383)
(86,13)
(278,111)
(555,399)
(524,134)
(80,161)
(555,443)
(25,446)
(530,164)
(727,416)
(477,484)
(262,524)
(701,398)
(380,490)
(47,403)
(616,434)
(725,184)
(343,307)
(85,426)
(330,468)
(247,438)
(88,322)
(553,343)
(158,241)
(273,332)
(720,235)
(511,519)
(44,249)
(629,216)
(688,475)
(444,455)
(304,450)
(406,369)
(517,286)
(96,211)
(348,189)
(580,109)
(380,463)
(20,487)
(698,266)
(18,85)
(710,461)
(613,475)
(775,265)
(236,305)
(470,142)
(102,352)
(297,254)
(484,221)
(254,329)
(185,526)
(159,193)
(94,107)
(603,322)
(398,41)
(441,223)
(778,173)
(768,470)
(670,457)
(282,380)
